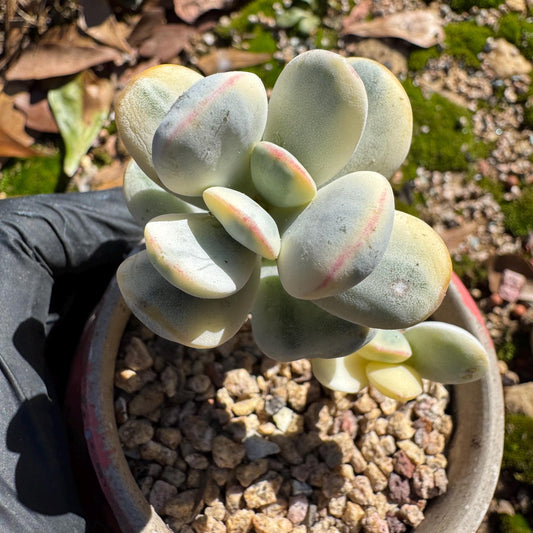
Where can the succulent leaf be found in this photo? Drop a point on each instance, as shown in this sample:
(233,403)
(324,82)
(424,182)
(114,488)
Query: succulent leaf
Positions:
(146,200)
(386,138)
(143,104)
(176,315)
(339,238)
(317,112)
(194,253)
(344,374)
(279,177)
(245,220)
(446,353)
(286,329)
(397,381)
(207,136)
(406,286)
(388,346)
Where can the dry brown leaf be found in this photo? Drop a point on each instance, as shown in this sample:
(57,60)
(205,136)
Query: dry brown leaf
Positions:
(225,59)
(109,176)
(149,20)
(422,27)
(190,10)
(14,141)
(359,12)
(98,21)
(38,114)
(166,41)
(453,237)
(61,52)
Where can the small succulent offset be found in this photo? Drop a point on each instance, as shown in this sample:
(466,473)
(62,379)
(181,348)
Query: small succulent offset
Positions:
(281,209)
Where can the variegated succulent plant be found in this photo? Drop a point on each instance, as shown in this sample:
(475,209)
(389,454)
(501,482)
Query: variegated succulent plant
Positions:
(282,209)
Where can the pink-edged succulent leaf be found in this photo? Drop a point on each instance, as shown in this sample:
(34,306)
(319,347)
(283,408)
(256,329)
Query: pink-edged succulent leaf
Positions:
(407,285)
(176,315)
(279,177)
(339,238)
(400,382)
(343,374)
(143,104)
(245,220)
(207,136)
(195,253)
(317,111)
(386,138)
(388,346)
(146,200)
(286,329)
(446,353)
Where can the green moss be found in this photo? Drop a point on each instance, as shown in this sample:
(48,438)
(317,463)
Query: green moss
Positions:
(506,351)
(472,273)
(517,447)
(514,524)
(418,59)
(442,134)
(517,30)
(465,5)
(465,40)
(34,175)
(519,214)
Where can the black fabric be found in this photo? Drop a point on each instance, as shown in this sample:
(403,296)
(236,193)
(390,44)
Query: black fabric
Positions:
(57,254)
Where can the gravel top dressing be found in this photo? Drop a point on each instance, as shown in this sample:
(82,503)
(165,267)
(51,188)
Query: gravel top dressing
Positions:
(227,440)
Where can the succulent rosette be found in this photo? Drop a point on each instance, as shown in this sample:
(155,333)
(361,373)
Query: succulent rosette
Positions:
(279,209)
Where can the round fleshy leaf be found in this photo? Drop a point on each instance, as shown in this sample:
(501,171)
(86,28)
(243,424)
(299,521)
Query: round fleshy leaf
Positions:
(286,329)
(146,200)
(407,285)
(343,374)
(339,238)
(143,104)
(400,382)
(317,111)
(176,315)
(207,136)
(245,220)
(279,177)
(446,353)
(388,346)
(386,138)
(194,253)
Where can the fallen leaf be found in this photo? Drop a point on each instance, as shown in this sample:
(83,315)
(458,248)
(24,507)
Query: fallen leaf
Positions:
(453,237)
(37,110)
(14,141)
(150,19)
(80,108)
(61,52)
(167,41)
(109,176)
(422,27)
(190,10)
(97,20)
(226,59)
(359,12)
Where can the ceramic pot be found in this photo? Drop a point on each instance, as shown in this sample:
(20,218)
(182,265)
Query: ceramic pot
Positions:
(474,453)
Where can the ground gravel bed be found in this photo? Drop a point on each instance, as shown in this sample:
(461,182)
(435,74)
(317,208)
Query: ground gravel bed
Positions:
(227,440)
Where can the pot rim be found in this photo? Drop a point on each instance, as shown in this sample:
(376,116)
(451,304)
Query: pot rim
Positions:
(474,453)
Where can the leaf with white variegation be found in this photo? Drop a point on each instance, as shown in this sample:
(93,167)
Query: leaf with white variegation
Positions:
(207,136)
(245,220)
(146,200)
(194,253)
(279,177)
(386,138)
(406,286)
(344,374)
(286,328)
(143,104)
(339,238)
(317,111)
(446,353)
(176,315)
